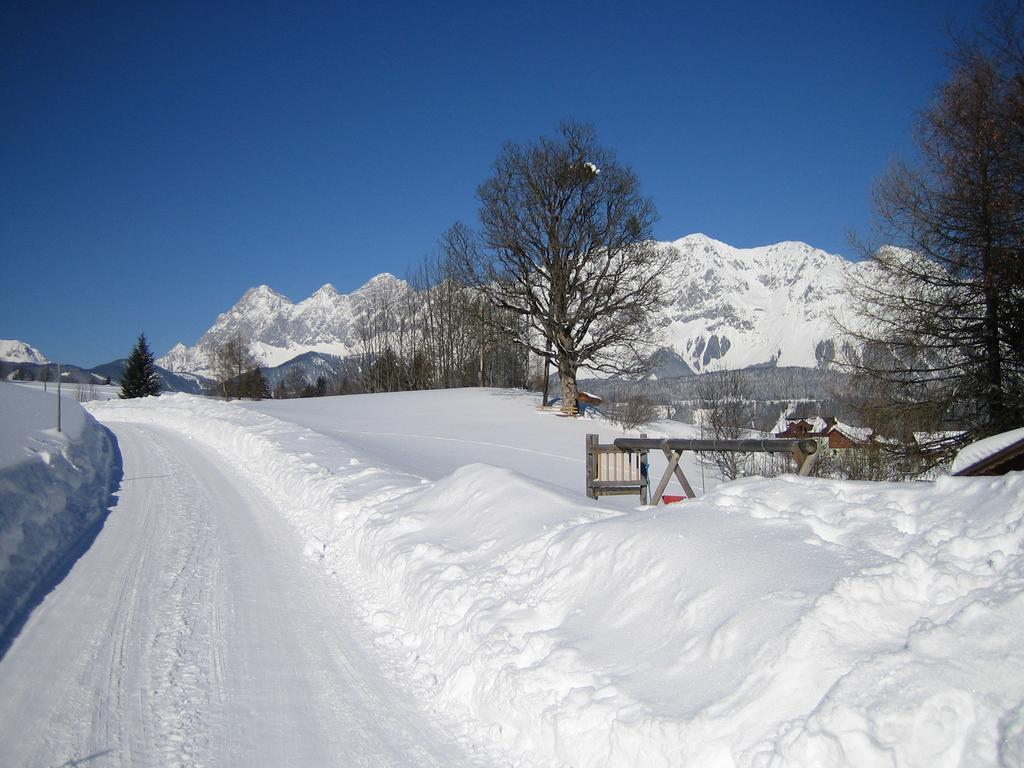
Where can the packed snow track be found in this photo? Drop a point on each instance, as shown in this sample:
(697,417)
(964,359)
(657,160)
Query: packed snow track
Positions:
(194,632)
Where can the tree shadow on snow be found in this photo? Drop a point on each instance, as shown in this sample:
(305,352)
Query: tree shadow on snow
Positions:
(83,760)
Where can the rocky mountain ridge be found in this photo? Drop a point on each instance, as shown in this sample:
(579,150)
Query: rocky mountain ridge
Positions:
(15,351)
(775,305)
(730,307)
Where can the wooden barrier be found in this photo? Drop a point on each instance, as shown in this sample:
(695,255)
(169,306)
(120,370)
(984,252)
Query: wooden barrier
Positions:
(610,470)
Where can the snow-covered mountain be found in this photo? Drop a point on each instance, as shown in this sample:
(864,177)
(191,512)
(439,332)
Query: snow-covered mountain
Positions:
(279,330)
(739,307)
(731,307)
(14,351)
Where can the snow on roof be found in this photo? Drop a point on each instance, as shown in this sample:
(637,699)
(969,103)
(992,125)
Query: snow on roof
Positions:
(983,449)
(860,434)
(937,437)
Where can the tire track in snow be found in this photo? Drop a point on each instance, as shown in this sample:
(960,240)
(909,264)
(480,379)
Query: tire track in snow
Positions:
(194,632)
(180,672)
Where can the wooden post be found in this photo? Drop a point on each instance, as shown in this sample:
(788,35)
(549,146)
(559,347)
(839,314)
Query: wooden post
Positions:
(591,465)
(644,472)
(547,373)
(805,463)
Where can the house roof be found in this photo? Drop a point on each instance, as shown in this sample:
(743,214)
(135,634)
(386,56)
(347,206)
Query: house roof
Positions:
(818,426)
(995,455)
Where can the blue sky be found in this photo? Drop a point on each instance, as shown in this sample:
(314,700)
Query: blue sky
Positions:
(158,161)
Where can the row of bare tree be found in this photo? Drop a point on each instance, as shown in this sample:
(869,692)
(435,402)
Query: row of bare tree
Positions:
(434,332)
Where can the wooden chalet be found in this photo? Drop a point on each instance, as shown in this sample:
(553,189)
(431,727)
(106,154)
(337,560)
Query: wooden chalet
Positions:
(838,435)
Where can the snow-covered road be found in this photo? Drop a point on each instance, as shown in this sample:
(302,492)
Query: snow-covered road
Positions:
(193,632)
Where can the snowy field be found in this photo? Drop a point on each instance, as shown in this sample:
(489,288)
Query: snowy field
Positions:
(793,621)
(71,390)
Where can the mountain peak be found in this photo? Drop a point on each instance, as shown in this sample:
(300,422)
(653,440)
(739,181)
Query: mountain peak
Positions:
(699,238)
(15,351)
(384,278)
(326,290)
(263,291)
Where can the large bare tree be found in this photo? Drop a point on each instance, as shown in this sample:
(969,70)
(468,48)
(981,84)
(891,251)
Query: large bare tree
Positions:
(942,316)
(565,243)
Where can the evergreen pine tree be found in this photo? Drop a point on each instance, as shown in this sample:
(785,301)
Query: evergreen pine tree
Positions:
(140,377)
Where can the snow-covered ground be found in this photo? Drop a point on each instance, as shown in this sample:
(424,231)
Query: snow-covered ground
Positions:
(54,490)
(792,621)
(81,393)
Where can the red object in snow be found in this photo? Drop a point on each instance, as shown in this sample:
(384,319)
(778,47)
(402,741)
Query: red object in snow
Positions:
(672,499)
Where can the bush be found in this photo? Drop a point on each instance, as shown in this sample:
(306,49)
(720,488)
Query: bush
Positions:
(634,413)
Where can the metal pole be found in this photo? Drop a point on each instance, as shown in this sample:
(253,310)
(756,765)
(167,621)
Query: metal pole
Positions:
(58,397)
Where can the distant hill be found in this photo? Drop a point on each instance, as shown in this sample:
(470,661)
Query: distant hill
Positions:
(311,365)
(112,371)
(169,380)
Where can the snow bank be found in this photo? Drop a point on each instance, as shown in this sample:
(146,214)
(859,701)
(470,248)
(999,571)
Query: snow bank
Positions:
(792,622)
(55,487)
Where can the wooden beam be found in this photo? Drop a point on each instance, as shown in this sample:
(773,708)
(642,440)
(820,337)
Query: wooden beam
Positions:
(673,468)
(773,445)
(673,462)
(591,465)
(683,481)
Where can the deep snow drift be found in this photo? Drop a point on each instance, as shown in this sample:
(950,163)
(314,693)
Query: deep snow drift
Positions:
(54,488)
(792,621)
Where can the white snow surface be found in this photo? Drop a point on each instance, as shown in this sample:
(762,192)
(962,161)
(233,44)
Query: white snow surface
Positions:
(982,449)
(792,621)
(15,351)
(54,487)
